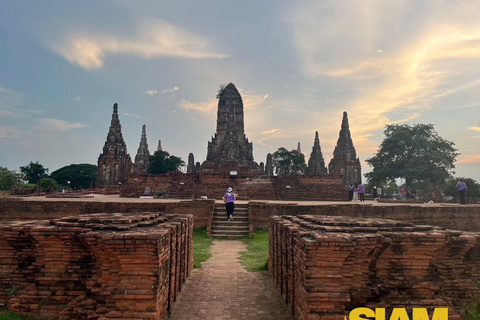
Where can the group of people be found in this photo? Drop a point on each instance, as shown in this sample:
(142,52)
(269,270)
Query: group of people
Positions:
(356,192)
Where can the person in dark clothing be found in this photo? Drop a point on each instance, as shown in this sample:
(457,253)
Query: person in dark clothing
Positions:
(350,192)
(229,199)
(375,193)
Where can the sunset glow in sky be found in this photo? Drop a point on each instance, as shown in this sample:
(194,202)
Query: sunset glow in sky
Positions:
(298,66)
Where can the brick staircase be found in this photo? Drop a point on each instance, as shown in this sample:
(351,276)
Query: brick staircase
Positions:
(238,227)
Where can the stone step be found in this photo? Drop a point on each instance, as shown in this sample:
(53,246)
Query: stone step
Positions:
(229,236)
(236,220)
(235,214)
(230,225)
(220,233)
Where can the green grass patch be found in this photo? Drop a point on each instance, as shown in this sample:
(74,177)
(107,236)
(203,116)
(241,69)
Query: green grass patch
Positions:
(13,316)
(256,257)
(472,312)
(201,247)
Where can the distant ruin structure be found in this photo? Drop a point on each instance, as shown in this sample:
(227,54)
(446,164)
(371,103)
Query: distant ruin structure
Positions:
(316,163)
(230,149)
(191,164)
(345,161)
(159,147)
(114,163)
(142,159)
(269,165)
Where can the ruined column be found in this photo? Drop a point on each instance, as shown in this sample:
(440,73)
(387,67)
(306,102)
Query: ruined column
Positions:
(142,159)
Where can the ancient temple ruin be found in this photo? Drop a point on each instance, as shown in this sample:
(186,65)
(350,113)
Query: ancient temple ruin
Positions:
(114,163)
(230,149)
(142,159)
(316,164)
(345,161)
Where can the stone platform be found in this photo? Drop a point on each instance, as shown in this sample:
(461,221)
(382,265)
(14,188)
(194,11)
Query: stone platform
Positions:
(326,266)
(96,266)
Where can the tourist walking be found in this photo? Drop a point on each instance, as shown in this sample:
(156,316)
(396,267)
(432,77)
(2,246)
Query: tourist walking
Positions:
(229,199)
(355,192)
(402,193)
(462,188)
(375,193)
(361,191)
(350,192)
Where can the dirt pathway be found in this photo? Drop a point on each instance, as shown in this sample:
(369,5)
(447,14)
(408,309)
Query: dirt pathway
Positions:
(223,289)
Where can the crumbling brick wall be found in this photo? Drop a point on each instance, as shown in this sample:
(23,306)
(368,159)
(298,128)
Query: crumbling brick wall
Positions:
(326,266)
(97,266)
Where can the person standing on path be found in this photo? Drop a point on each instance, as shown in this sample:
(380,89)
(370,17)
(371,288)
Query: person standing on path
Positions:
(374,193)
(350,192)
(229,199)
(462,188)
(361,191)
(355,192)
(402,194)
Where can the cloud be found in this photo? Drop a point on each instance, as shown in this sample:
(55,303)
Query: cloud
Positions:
(50,124)
(169,90)
(78,99)
(475,128)
(6,113)
(10,98)
(11,133)
(154,39)
(151,92)
(131,115)
(469,159)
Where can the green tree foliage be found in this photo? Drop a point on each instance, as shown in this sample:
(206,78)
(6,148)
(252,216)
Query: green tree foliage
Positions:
(48,184)
(81,176)
(9,178)
(162,162)
(34,172)
(288,162)
(413,153)
(473,187)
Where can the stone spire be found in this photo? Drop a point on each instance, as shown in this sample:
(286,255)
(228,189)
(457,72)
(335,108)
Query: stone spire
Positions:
(262,167)
(345,161)
(191,164)
(230,148)
(142,159)
(316,164)
(114,163)
(269,165)
(159,148)
(299,150)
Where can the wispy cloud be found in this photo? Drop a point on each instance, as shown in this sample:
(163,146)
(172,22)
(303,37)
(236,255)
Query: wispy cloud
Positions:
(475,128)
(469,159)
(151,92)
(78,99)
(50,124)
(131,115)
(169,90)
(10,98)
(155,39)
(11,133)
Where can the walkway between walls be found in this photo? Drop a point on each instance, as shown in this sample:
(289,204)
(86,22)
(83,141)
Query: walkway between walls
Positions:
(223,289)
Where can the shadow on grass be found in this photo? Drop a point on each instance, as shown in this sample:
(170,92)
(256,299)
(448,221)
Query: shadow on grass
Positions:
(201,247)
(255,259)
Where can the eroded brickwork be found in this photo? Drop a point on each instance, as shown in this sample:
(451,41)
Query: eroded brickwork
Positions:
(327,266)
(97,266)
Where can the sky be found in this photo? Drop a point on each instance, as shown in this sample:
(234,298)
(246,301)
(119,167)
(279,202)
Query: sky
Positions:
(297,64)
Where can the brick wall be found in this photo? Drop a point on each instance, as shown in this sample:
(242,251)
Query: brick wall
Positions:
(98,265)
(297,187)
(452,217)
(326,266)
(14,209)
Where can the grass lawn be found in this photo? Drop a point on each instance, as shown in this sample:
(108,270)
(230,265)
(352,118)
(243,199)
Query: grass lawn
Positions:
(256,257)
(201,247)
(5,315)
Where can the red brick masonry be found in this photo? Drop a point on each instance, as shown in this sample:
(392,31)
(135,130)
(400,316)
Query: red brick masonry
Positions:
(327,266)
(96,266)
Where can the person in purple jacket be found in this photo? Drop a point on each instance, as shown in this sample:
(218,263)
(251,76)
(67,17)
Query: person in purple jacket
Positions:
(462,188)
(361,191)
(229,199)
(350,192)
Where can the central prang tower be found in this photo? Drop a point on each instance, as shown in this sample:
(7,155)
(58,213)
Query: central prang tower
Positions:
(229,149)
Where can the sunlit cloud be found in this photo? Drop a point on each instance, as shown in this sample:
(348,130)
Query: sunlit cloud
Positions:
(475,128)
(11,133)
(151,92)
(6,113)
(169,90)
(469,159)
(78,99)
(131,115)
(50,124)
(155,39)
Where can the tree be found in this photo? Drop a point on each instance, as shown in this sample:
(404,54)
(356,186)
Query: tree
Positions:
(162,162)
(8,178)
(287,162)
(413,153)
(220,90)
(34,172)
(48,184)
(80,175)
(473,187)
